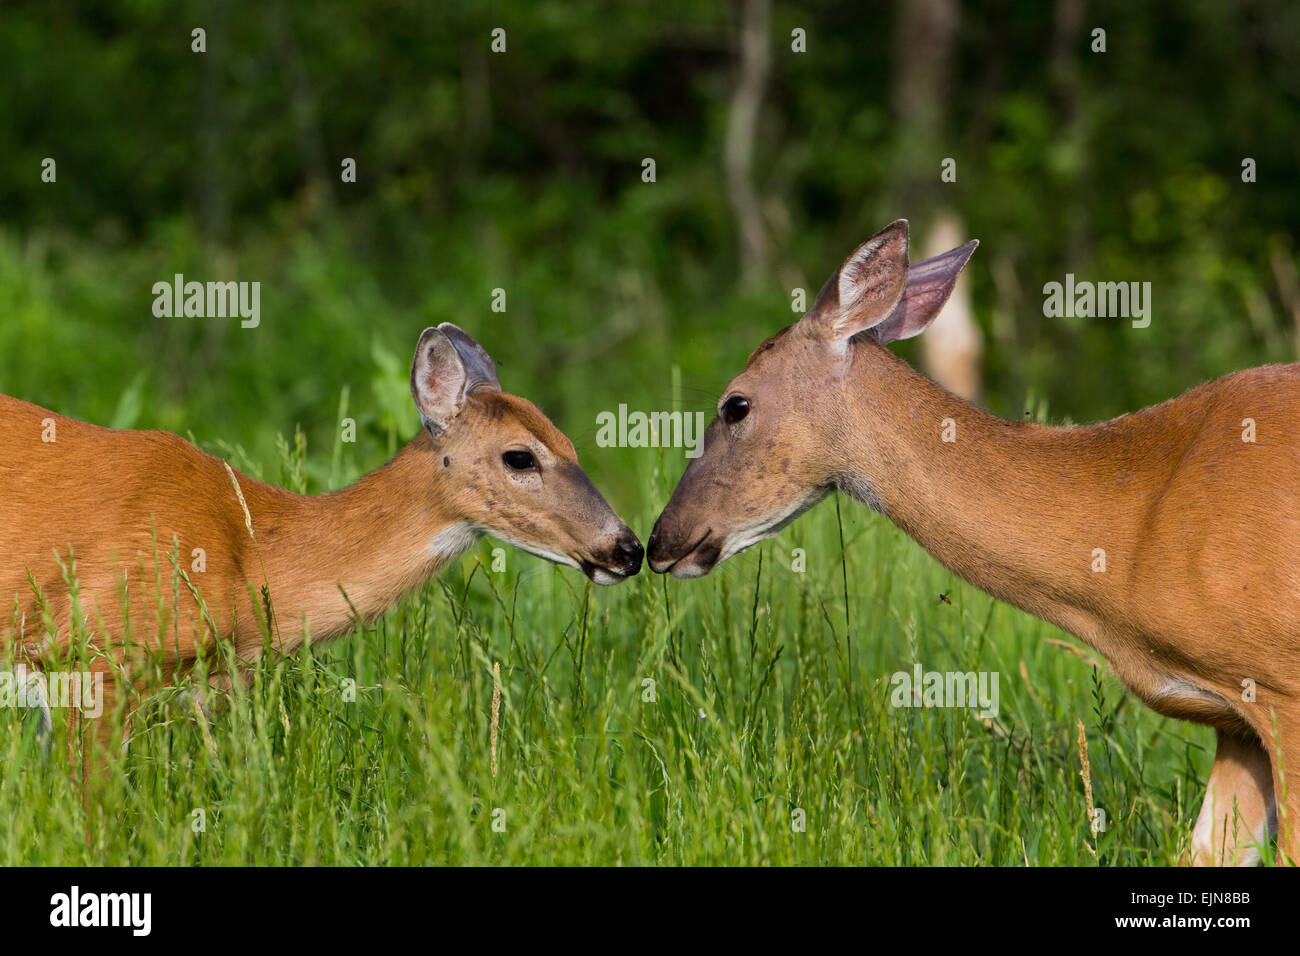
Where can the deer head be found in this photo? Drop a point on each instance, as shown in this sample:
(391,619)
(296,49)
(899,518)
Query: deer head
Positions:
(506,470)
(776,447)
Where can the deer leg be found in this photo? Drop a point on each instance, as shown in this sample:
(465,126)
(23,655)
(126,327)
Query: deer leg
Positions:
(1286,781)
(1239,813)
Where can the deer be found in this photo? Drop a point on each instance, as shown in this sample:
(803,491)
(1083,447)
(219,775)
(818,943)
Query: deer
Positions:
(97,525)
(1167,539)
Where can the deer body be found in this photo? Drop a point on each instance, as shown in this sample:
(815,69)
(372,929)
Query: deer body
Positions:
(1020,510)
(174,550)
(147,494)
(1162,538)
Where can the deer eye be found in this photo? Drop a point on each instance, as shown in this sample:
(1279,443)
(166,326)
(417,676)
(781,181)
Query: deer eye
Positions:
(734,409)
(519,460)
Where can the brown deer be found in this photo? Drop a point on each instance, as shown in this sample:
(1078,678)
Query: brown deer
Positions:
(173,550)
(1168,539)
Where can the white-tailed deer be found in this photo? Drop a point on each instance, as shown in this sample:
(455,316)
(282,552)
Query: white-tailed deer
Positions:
(262,560)
(1168,539)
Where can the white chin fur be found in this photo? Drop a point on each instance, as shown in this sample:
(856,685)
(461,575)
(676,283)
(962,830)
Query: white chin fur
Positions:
(683,570)
(860,489)
(453,541)
(734,546)
(601,576)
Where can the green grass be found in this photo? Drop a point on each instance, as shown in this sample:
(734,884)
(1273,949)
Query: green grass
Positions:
(766,702)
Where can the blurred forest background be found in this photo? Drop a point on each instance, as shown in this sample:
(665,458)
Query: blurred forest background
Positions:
(522,170)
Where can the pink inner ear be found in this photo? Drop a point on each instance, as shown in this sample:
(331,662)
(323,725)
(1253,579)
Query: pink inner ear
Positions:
(929,284)
(437,379)
(869,281)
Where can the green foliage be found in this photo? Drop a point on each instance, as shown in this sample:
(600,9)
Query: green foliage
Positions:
(522,171)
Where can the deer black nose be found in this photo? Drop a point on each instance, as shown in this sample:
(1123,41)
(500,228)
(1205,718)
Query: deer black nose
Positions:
(630,550)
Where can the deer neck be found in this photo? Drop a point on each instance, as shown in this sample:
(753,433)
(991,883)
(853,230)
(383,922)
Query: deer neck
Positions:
(332,558)
(1022,511)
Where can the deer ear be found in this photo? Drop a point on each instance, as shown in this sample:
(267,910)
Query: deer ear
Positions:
(864,290)
(438,380)
(929,283)
(480,370)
